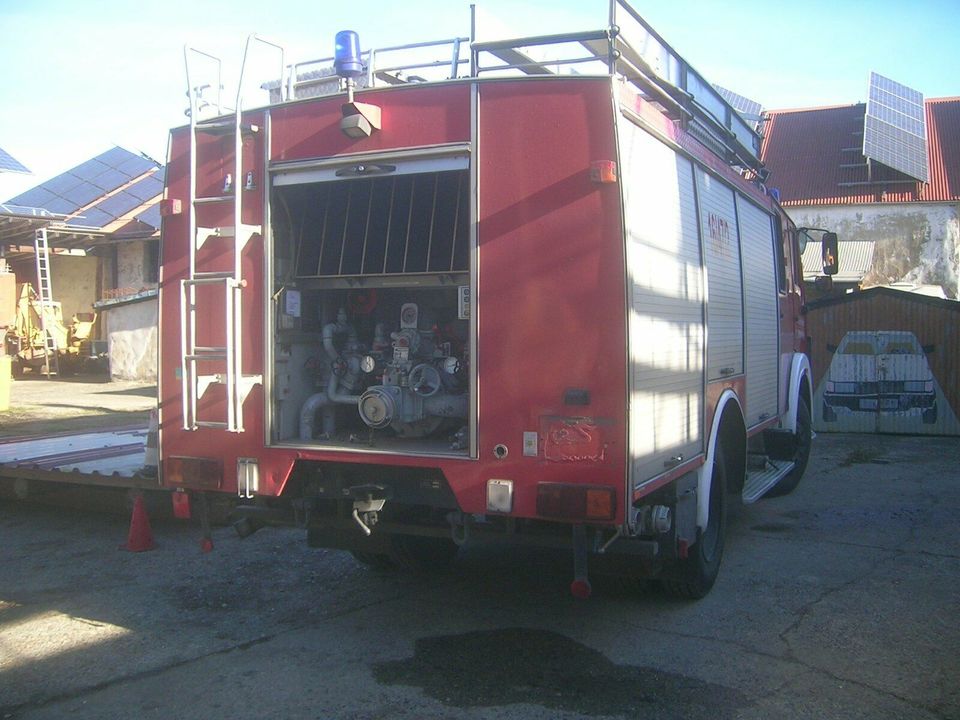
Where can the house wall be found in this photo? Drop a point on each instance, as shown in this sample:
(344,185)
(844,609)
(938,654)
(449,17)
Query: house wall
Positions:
(916,242)
(130,322)
(74,282)
(131,265)
(131,329)
(72,277)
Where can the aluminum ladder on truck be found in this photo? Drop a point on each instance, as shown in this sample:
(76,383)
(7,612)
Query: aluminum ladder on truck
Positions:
(41,252)
(197,358)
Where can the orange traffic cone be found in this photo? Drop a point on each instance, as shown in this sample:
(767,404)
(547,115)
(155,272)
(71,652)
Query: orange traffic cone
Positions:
(140,537)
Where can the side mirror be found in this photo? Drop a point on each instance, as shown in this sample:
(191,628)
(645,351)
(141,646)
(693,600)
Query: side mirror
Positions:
(829,254)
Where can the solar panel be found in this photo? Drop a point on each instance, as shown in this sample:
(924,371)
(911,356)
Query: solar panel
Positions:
(88,170)
(749,109)
(135,165)
(109,179)
(151,216)
(84,184)
(117,205)
(10,164)
(91,218)
(149,187)
(35,198)
(81,195)
(895,129)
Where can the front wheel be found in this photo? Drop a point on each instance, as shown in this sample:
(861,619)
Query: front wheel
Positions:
(692,577)
(802,440)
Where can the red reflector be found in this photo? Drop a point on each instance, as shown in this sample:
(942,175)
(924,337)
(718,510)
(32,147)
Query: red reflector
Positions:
(181,505)
(170,206)
(576,502)
(206,473)
(600,504)
(581,589)
(603,171)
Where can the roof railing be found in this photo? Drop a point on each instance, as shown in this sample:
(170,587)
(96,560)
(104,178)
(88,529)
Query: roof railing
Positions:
(629,48)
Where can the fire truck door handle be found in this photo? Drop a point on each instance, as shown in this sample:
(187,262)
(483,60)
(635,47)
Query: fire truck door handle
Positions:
(727,371)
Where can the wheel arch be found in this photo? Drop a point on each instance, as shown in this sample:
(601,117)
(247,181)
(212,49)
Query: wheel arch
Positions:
(729,429)
(801,381)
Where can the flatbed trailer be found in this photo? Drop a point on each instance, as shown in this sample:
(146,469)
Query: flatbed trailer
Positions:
(107,458)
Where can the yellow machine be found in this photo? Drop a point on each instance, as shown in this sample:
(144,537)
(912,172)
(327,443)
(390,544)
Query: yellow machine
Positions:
(39,340)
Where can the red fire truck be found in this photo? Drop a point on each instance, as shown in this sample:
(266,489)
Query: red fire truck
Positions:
(544,298)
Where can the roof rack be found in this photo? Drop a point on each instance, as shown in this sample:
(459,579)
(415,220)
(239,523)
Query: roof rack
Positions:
(629,48)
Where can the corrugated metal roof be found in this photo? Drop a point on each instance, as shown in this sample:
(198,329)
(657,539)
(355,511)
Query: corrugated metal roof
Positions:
(856,257)
(814,154)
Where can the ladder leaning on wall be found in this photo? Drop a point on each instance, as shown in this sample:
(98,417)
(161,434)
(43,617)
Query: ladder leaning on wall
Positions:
(41,251)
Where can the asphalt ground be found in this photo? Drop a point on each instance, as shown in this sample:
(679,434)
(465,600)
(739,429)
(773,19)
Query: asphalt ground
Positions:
(841,600)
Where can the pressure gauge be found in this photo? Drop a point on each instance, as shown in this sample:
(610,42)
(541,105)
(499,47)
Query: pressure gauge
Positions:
(451,365)
(368,364)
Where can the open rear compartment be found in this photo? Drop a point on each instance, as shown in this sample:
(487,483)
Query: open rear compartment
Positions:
(372,338)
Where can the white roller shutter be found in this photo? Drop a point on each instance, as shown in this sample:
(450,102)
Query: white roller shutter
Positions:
(761,311)
(718,223)
(665,296)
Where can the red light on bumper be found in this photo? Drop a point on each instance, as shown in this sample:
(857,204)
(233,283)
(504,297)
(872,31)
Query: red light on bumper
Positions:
(576,502)
(203,473)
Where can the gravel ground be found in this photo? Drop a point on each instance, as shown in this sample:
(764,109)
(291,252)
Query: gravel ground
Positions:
(841,600)
(39,406)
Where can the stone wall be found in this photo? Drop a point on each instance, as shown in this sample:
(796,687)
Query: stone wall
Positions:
(916,242)
(131,328)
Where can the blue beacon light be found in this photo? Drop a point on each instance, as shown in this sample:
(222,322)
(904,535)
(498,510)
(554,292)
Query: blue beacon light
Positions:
(346,56)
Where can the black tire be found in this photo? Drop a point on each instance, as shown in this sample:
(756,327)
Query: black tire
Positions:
(423,554)
(692,577)
(802,440)
(374,561)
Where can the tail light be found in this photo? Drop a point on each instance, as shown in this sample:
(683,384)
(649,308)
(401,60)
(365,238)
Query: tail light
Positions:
(576,502)
(204,473)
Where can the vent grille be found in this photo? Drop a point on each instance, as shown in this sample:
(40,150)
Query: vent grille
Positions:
(380,226)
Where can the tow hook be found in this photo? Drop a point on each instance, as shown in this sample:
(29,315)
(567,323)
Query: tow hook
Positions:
(580,588)
(367,504)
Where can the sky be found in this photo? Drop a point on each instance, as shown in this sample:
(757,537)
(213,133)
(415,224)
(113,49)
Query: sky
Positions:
(81,77)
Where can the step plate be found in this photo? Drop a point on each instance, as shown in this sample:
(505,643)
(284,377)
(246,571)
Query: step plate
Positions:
(760,481)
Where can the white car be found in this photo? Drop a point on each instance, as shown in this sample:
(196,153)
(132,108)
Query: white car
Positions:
(880,372)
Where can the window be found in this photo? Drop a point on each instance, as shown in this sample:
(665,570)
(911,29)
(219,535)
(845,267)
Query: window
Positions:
(151,261)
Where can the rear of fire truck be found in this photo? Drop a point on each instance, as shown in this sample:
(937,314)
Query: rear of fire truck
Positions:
(394,311)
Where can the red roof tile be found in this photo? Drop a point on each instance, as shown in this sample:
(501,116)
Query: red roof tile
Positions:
(805,149)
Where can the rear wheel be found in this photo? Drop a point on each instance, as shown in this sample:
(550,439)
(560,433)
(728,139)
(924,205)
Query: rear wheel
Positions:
(692,577)
(423,554)
(802,441)
(376,561)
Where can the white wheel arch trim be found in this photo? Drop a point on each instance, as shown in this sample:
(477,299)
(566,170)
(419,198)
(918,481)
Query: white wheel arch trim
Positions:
(705,474)
(799,369)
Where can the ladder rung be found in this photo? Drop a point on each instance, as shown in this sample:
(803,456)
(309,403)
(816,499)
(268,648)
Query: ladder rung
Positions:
(212,424)
(227,231)
(198,279)
(206,356)
(213,199)
(213,275)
